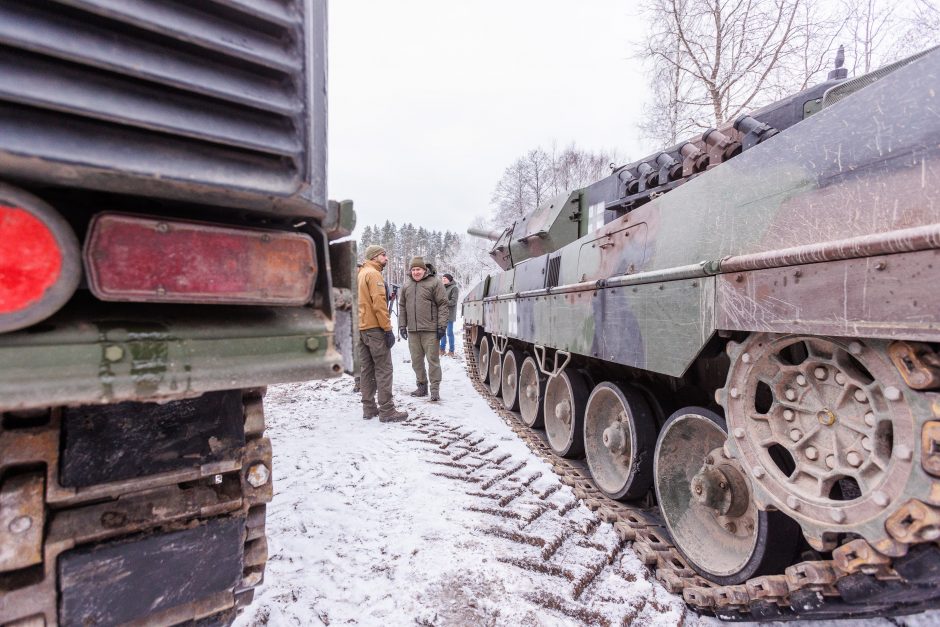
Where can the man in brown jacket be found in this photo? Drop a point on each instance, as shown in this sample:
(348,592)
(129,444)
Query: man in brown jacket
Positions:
(375,340)
(422,319)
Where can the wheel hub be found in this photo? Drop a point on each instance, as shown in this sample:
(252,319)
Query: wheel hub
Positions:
(615,439)
(563,411)
(721,488)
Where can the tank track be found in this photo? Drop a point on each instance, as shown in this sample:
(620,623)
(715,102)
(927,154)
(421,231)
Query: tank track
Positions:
(134,513)
(857,582)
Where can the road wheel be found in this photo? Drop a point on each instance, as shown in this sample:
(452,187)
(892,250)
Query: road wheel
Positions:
(565,398)
(510,383)
(531,393)
(706,502)
(619,438)
(483,363)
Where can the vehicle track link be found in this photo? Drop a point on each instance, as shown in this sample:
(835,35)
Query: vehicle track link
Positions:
(133,513)
(546,530)
(857,581)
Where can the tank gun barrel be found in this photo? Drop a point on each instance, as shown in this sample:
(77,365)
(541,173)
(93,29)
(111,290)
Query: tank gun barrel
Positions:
(490,235)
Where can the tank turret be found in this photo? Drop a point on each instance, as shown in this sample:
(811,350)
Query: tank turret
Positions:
(554,224)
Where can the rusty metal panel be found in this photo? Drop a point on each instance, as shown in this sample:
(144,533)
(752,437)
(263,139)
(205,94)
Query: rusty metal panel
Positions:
(117,582)
(22,519)
(880,296)
(616,252)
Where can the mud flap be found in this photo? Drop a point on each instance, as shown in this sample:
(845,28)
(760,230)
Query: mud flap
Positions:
(105,443)
(118,582)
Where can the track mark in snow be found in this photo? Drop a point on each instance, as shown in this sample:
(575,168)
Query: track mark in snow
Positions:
(547,533)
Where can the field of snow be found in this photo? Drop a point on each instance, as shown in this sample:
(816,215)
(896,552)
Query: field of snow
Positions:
(446,519)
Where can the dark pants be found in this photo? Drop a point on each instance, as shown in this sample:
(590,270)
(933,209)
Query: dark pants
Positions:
(375,360)
(448,335)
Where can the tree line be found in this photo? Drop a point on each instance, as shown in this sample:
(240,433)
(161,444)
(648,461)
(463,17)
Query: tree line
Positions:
(457,254)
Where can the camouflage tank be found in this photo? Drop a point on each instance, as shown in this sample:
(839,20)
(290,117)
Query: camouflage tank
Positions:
(730,350)
(164,255)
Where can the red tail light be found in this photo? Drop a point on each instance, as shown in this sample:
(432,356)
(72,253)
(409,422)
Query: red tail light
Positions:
(143,259)
(39,261)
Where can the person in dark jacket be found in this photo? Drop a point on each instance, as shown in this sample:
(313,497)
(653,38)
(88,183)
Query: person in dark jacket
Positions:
(453,292)
(422,320)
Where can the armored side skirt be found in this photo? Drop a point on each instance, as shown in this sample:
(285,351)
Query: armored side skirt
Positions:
(662,326)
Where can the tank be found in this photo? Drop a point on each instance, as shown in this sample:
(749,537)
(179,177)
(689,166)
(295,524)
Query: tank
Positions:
(729,349)
(165,254)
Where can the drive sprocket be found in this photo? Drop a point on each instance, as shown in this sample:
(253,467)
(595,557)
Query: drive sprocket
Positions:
(826,430)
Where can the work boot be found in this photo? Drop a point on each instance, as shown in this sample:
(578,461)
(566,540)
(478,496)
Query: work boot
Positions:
(449,353)
(421,390)
(369,414)
(434,396)
(392,415)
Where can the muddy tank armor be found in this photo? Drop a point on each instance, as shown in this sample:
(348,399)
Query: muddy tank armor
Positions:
(729,349)
(164,255)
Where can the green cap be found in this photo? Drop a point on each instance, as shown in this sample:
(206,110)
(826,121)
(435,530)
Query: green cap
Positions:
(374,251)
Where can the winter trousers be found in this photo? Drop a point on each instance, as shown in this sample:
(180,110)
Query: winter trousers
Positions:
(423,345)
(449,335)
(375,361)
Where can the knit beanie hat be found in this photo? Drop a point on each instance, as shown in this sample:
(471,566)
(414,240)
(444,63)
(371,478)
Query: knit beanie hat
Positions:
(374,251)
(450,277)
(418,262)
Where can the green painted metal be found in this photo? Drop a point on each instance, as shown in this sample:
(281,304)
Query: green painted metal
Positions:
(818,190)
(93,354)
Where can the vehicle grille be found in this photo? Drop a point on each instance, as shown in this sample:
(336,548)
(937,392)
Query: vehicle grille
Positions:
(163,98)
(554,267)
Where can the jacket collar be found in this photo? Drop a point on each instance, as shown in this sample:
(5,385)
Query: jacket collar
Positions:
(372,263)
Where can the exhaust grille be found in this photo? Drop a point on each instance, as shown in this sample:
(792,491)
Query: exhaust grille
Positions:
(164,97)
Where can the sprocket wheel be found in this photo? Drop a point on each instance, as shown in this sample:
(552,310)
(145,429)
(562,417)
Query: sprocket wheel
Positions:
(823,428)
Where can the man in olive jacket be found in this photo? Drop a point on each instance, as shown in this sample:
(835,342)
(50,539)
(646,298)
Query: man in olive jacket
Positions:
(422,319)
(375,339)
(453,294)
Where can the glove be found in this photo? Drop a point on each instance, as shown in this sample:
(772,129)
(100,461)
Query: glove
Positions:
(403,332)
(440,332)
(389,339)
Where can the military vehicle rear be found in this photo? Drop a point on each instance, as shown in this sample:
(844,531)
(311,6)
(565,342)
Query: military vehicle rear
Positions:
(732,348)
(164,255)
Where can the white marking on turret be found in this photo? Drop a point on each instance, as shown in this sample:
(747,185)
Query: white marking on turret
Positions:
(596,216)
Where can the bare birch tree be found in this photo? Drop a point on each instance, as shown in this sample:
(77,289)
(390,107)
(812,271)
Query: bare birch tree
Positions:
(523,185)
(710,61)
(573,168)
(725,57)
(871,29)
(538,175)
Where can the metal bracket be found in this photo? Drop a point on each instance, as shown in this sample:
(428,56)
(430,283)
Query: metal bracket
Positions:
(22,519)
(556,369)
(500,342)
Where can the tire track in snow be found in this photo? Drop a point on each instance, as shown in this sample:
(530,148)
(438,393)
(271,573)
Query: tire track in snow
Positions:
(591,578)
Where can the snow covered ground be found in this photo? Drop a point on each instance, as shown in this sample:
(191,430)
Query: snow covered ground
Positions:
(447,519)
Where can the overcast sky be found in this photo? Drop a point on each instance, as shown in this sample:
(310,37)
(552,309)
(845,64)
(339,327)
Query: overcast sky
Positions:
(430,100)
